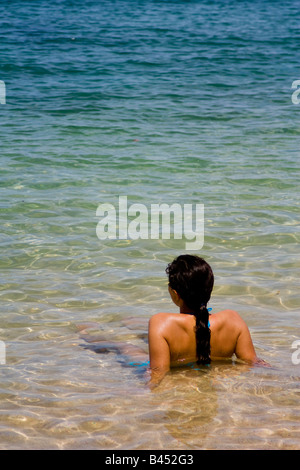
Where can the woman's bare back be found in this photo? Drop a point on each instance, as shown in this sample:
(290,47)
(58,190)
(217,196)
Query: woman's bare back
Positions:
(229,335)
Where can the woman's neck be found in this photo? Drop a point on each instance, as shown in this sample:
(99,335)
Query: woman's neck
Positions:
(185,309)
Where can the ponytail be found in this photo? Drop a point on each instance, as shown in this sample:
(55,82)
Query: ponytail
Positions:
(192,278)
(202,331)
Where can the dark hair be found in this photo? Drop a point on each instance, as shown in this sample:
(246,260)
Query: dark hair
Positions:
(192,278)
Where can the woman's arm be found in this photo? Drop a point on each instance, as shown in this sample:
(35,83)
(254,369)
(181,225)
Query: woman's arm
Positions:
(245,350)
(159,351)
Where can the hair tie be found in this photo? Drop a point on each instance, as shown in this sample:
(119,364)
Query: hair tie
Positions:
(209,309)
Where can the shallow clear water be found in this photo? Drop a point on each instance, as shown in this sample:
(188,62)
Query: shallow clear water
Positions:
(162,102)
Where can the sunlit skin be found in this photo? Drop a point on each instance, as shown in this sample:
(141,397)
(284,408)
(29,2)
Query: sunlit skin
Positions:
(172,339)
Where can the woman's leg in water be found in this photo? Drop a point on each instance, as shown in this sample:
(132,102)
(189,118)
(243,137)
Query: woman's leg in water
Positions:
(98,343)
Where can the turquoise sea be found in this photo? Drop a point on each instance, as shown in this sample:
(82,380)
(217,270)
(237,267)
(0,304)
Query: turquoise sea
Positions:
(182,101)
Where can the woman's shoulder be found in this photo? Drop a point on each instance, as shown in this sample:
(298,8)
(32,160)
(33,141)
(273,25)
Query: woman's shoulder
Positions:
(227,313)
(162,317)
(228,317)
(164,321)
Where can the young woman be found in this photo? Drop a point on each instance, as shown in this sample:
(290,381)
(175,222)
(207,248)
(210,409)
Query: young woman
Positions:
(193,335)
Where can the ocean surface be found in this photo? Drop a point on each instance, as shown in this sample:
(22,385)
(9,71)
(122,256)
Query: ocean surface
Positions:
(161,102)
